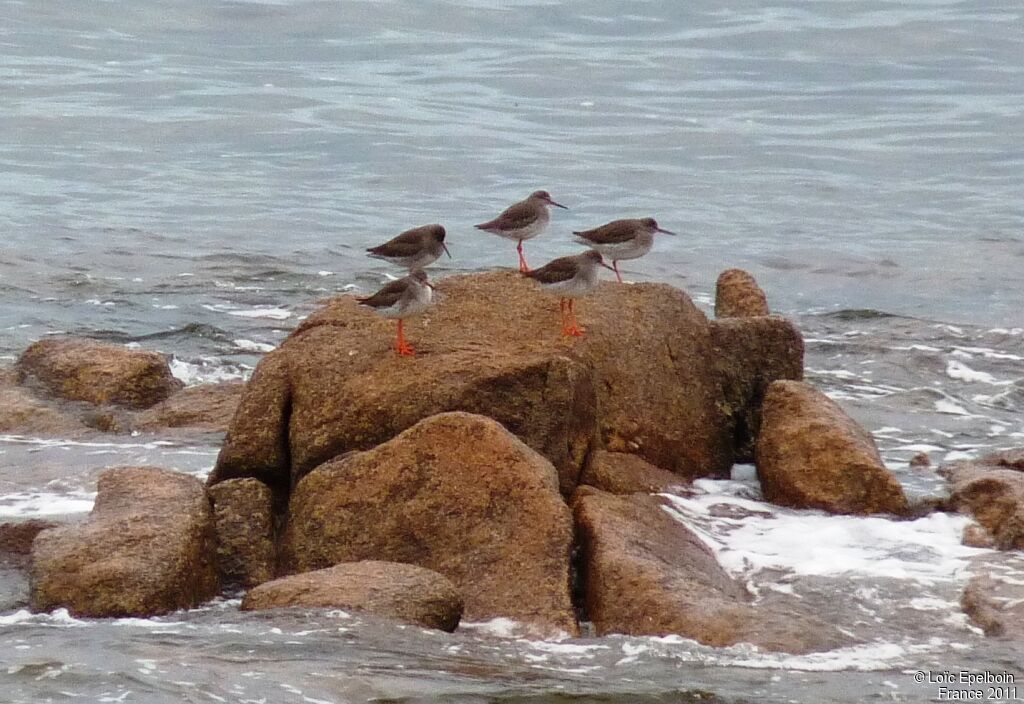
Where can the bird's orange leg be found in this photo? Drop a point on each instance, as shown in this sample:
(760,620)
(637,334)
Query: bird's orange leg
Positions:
(523,268)
(403,348)
(615,265)
(566,328)
(574,329)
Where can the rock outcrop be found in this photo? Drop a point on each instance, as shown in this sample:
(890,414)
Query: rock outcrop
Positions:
(457,494)
(78,369)
(753,352)
(16,540)
(147,548)
(207,407)
(620,473)
(644,380)
(992,490)
(244,521)
(995,606)
(646,574)
(397,591)
(811,454)
(738,295)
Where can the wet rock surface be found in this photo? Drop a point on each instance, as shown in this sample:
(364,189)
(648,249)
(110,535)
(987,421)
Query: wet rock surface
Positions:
(811,454)
(621,473)
(401,592)
(146,548)
(80,369)
(992,490)
(647,574)
(245,526)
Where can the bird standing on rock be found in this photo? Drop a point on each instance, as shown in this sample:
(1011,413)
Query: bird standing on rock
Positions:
(622,239)
(402,299)
(522,221)
(413,249)
(570,277)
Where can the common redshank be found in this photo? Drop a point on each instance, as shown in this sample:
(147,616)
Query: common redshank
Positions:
(402,299)
(522,221)
(571,278)
(413,249)
(622,239)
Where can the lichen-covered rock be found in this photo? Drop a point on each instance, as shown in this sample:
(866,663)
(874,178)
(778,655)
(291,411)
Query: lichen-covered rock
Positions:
(647,574)
(811,454)
(244,519)
(20,412)
(397,591)
(738,295)
(457,494)
(620,473)
(644,379)
(753,352)
(97,372)
(207,407)
(147,548)
(16,540)
(992,490)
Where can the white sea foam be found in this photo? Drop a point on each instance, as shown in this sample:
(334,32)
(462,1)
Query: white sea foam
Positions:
(268,312)
(252,346)
(961,372)
(208,371)
(926,550)
(24,504)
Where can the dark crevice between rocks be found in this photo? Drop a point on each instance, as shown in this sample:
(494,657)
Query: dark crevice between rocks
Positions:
(577,584)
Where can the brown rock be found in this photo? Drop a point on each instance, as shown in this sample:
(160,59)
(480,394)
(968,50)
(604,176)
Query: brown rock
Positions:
(619,473)
(992,490)
(86,370)
(207,407)
(457,494)
(921,461)
(646,574)
(977,537)
(995,606)
(738,295)
(393,590)
(751,354)
(16,540)
(244,520)
(810,454)
(644,379)
(145,549)
(20,412)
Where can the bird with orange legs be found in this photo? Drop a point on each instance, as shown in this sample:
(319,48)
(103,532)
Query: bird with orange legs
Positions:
(622,239)
(401,299)
(570,278)
(522,221)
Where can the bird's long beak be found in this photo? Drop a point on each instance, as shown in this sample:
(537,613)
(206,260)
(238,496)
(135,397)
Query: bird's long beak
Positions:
(607,267)
(557,205)
(667,232)
(445,248)
(430,286)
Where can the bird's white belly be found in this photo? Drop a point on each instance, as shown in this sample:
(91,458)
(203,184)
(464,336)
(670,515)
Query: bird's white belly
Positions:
(418,261)
(524,233)
(409,308)
(573,288)
(617,251)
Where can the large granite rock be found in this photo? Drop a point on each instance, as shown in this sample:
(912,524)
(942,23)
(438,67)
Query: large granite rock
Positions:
(79,369)
(457,494)
(147,548)
(397,591)
(738,295)
(646,574)
(811,454)
(244,520)
(207,407)
(992,490)
(21,412)
(643,380)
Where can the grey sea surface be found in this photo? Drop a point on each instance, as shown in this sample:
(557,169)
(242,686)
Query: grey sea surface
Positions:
(192,177)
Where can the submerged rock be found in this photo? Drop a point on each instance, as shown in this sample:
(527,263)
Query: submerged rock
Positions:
(645,379)
(16,540)
(457,494)
(147,548)
(738,295)
(620,473)
(992,490)
(995,606)
(79,369)
(397,591)
(646,574)
(810,454)
(207,407)
(21,412)
(244,520)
